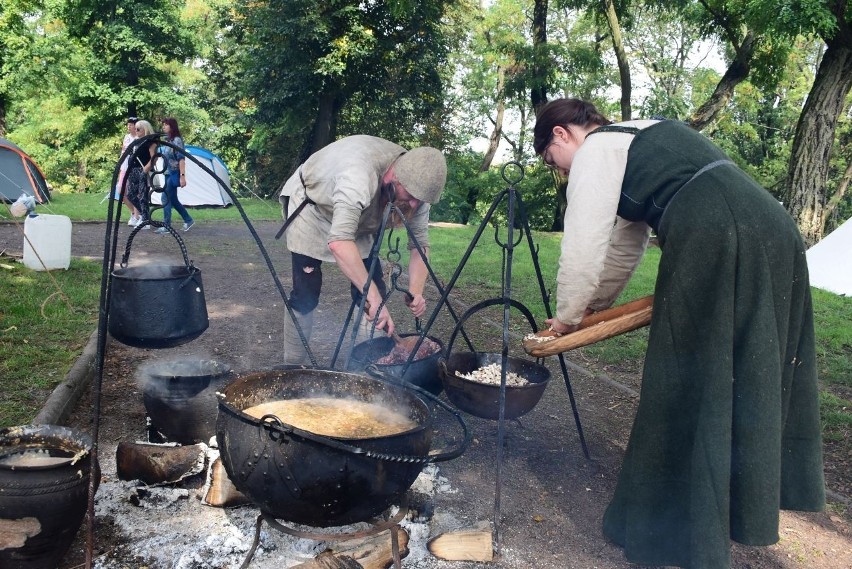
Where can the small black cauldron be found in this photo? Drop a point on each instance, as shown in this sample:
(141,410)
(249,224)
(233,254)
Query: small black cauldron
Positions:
(44,490)
(180,398)
(481,399)
(304,478)
(423,373)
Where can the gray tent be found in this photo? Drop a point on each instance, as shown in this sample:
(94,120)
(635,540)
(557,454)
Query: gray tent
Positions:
(20,175)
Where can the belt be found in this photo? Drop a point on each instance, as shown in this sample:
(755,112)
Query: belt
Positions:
(290,218)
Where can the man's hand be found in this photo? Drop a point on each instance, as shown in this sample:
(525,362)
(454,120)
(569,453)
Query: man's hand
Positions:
(417,304)
(383,319)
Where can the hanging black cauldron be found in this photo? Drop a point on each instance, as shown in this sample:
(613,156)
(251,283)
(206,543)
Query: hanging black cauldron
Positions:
(423,372)
(157,306)
(305,478)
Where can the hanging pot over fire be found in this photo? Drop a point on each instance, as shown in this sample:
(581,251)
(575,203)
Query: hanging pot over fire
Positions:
(325,475)
(157,306)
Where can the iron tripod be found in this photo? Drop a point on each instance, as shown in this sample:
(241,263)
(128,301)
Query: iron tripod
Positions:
(515,205)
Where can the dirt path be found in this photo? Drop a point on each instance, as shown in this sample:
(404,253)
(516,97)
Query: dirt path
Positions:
(551,498)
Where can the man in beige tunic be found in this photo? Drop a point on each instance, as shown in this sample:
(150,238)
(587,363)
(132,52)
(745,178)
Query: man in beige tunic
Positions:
(347,185)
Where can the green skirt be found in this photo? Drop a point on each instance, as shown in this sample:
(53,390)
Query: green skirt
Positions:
(727,431)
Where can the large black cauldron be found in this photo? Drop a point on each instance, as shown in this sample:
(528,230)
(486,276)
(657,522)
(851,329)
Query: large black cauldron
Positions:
(315,480)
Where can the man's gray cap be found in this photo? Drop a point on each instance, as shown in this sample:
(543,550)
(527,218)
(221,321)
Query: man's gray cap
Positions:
(422,172)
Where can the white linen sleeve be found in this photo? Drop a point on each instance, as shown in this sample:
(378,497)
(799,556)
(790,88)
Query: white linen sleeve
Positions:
(627,245)
(594,188)
(352,194)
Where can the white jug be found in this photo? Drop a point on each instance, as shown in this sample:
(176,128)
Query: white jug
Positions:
(47,242)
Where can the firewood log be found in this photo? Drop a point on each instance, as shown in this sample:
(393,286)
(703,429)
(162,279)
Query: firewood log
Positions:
(220,491)
(465,545)
(158,464)
(328,560)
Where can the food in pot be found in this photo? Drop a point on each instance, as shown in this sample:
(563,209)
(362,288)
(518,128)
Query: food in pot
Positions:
(400,352)
(332,417)
(33,458)
(490,375)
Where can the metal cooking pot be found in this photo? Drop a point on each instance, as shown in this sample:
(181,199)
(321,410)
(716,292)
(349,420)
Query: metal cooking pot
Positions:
(423,372)
(316,480)
(180,398)
(481,399)
(157,306)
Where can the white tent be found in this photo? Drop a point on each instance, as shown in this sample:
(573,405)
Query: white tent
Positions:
(830,261)
(201,188)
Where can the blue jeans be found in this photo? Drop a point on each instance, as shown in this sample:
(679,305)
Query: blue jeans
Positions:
(170,200)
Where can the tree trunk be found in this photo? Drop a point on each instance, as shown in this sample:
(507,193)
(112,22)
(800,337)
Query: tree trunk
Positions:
(621,58)
(805,192)
(538,91)
(494,139)
(325,125)
(734,75)
(834,201)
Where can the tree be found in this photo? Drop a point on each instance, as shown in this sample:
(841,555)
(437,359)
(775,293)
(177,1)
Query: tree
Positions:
(314,70)
(806,193)
(15,39)
(136,48)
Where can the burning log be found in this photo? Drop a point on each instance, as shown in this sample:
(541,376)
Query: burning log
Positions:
(465,545)
(158,464)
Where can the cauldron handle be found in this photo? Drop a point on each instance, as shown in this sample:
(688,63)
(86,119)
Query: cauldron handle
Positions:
(485,304)
(374,372)
(280,430)
(126,255)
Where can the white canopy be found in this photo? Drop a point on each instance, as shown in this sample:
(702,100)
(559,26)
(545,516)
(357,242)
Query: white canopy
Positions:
(830,261)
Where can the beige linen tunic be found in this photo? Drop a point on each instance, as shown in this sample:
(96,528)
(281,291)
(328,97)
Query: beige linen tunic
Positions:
(600,251)
(344,181)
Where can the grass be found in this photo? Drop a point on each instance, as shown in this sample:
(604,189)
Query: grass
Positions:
(45,321)
(93,207)
(480,276)
(40,335)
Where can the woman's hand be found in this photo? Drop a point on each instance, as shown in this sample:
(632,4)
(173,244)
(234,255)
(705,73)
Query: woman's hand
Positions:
(561,328)
(182,180)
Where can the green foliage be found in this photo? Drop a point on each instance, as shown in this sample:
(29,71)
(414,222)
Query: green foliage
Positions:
(327,69)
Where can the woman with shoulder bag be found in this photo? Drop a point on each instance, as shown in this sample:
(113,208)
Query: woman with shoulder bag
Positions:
(175,176)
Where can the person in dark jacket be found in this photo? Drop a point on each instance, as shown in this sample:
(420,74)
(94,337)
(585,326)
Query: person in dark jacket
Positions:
(727,431)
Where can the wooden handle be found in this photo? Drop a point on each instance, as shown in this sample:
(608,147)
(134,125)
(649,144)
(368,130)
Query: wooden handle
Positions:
(596,327)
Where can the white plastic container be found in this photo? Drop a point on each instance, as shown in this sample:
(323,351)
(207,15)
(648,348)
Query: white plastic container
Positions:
(50,237)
